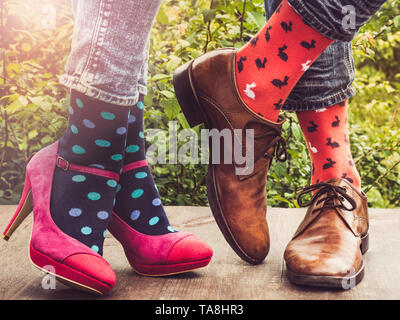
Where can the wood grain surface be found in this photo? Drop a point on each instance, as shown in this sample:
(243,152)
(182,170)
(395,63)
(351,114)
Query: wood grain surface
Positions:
(227,276)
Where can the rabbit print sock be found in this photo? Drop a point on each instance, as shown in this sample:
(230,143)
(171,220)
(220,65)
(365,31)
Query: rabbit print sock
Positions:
(269,66)
(138,202)
(327,137)
(81,202)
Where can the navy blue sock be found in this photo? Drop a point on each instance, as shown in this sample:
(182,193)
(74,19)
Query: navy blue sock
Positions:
(82,203)
(138,202)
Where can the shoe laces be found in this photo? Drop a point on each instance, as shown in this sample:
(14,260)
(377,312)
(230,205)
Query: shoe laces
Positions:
(328,193)
(277,141)
(280,152)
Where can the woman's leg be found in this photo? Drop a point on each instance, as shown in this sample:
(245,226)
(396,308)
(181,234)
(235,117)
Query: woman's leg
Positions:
(138,202)
(71,184)
(108,65)
(110,49)
(105,73)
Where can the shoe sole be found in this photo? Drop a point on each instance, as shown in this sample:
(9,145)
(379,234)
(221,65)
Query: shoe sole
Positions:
(195,115)
(167,270)
(68,275)
(344,283)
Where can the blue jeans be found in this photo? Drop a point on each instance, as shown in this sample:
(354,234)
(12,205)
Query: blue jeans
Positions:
(329,17)
(110,50)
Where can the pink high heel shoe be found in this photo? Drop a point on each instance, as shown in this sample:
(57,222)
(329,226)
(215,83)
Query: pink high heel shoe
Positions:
(160,255)
(74,263)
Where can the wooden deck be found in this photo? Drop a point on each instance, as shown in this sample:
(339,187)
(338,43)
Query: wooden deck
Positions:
(227,276)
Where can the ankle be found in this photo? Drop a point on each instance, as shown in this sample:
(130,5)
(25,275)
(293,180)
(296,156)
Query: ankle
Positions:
(96,133)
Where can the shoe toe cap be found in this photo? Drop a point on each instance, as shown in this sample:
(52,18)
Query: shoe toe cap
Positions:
(94,267)
(310,262)
(189,249)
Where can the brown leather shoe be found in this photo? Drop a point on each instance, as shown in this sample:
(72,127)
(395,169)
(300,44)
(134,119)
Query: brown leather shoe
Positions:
(207,93)
(327,248)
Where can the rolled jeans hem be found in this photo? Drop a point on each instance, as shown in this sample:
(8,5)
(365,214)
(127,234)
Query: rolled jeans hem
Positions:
(292,105)
(74,83)
(314,22)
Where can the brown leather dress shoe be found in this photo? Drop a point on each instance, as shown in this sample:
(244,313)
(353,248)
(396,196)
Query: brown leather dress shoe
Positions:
(207,93)
(327,248)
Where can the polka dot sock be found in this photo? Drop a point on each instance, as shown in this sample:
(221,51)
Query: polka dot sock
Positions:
(270,65)
(138,202)
(81,203)
(327,137)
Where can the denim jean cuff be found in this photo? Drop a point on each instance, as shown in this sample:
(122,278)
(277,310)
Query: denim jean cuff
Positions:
(315,22)
(74,83)
(292,105)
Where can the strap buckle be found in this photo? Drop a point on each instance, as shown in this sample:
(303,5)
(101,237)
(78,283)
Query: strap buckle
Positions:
(62,163)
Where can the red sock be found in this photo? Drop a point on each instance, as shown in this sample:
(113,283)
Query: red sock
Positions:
(269,66)
(327,137)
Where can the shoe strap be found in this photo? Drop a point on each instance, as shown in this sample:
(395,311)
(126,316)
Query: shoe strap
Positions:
(66,166)
(134,165)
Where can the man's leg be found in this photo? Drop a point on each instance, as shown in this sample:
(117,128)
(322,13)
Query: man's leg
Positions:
(270,65)
(328,81)
(216,89)
(327,137)
(325,88)
(320,100)
(330,17)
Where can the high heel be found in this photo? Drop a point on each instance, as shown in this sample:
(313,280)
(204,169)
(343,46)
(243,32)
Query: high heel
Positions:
(74,263)
(24,208)
(159,255)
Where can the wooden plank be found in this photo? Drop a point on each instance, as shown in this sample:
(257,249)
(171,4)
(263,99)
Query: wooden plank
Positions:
(227,276)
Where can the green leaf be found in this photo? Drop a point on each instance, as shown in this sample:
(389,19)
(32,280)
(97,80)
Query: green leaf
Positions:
(173,63)
(208,14)
(32,134)
(160,76)
(17,104)
(256,18)
(280,198)
(26,47)
(46,140)
(14,68)
(182,120)
(297,131)
(168,94)
(162,17)
(171,108)
(396,21)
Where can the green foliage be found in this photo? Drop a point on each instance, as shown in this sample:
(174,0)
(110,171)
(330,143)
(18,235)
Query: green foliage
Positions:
(374,116)
(33,105)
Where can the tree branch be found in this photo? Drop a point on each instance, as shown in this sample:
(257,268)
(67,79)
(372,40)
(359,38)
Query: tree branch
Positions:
(242,19)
